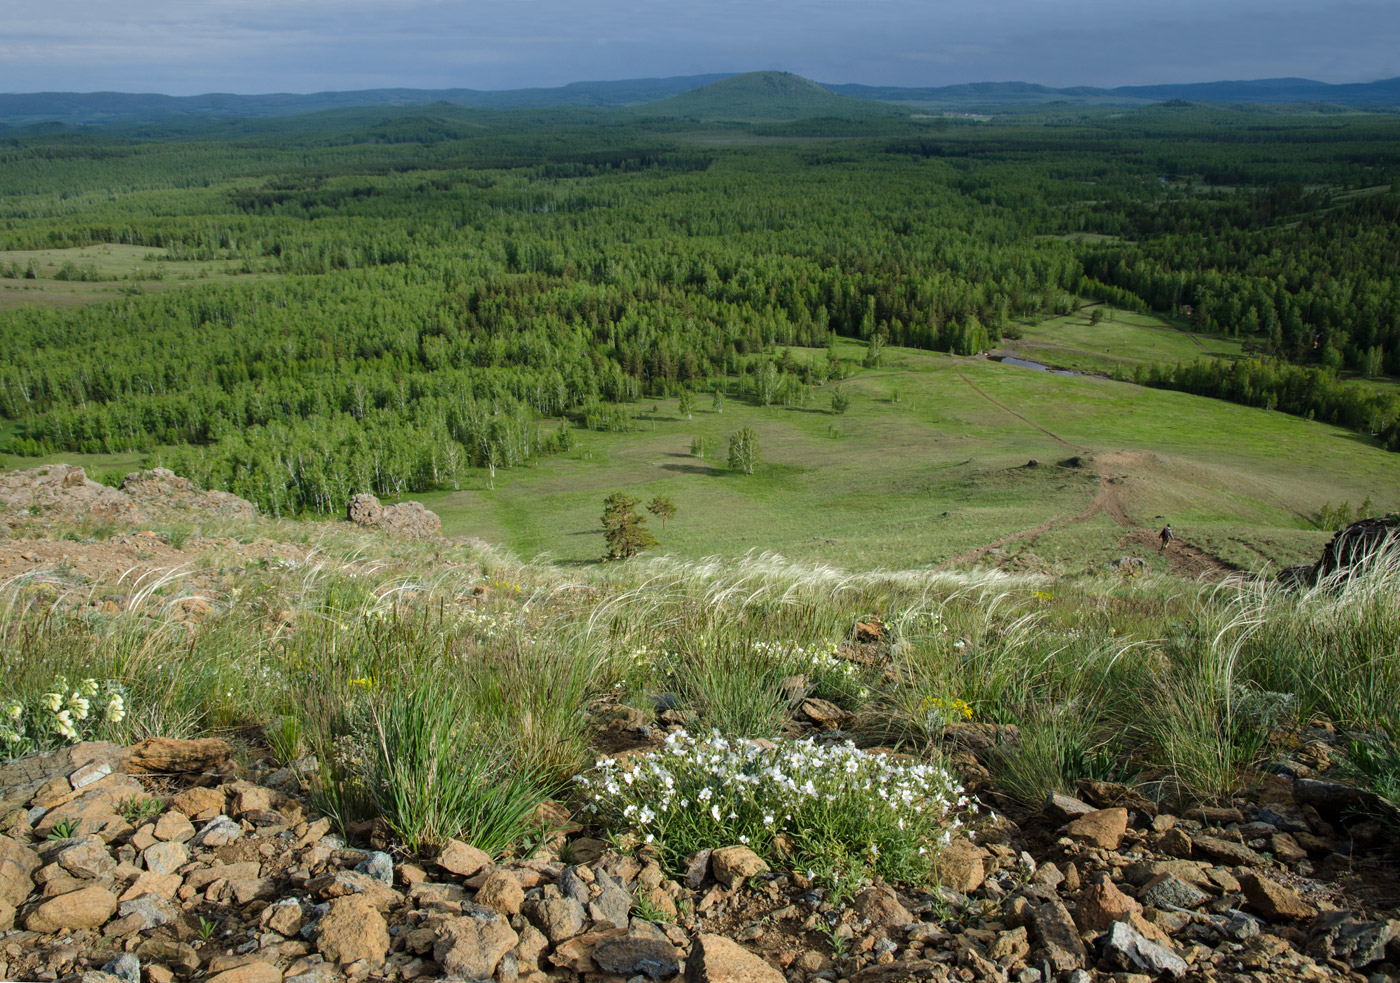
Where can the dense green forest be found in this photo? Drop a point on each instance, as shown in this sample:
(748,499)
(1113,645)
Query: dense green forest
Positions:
(423,291)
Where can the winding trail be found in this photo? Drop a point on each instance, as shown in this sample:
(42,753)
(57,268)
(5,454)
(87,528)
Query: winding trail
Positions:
(1184,559)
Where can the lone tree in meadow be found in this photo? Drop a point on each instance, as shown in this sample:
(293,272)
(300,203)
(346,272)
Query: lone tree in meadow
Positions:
(743,450)
(840,400)
(624,530)
(686,403)
(663,508)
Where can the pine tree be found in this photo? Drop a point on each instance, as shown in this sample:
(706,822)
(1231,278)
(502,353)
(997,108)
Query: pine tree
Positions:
(624,530)
(663,508)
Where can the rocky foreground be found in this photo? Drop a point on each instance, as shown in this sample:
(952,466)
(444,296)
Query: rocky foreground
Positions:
(165,861)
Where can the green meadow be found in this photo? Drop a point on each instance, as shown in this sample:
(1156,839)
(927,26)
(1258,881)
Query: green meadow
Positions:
(102,272)
(930,462)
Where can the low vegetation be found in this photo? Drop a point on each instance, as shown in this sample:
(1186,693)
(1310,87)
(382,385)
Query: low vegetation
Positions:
(448,688)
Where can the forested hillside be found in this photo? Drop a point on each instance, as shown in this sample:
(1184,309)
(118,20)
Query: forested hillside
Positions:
(417,293)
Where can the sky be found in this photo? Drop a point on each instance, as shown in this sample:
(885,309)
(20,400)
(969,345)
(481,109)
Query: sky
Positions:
(186,47)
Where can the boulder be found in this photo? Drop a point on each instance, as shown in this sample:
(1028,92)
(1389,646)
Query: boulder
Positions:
(403,519)
(199,803)
(165,857)
(559,919)
(174,827)
(881,908)
(1101,904)
(256,971)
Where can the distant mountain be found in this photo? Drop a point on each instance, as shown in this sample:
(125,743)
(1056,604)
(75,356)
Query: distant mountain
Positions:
(755,95)
(87,108)
(765,96)
(1004,94)
(1386,92)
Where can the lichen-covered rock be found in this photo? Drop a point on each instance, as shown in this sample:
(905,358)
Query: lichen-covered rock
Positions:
(403,519)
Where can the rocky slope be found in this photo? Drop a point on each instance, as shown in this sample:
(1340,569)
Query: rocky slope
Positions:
(166,861)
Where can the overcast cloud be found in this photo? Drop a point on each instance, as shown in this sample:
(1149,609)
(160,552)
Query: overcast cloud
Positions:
(184,47)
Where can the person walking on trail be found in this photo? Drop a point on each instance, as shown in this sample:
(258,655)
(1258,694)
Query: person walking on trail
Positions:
(1166,535)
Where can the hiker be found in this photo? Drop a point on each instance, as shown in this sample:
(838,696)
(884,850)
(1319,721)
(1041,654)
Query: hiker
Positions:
(1166,535)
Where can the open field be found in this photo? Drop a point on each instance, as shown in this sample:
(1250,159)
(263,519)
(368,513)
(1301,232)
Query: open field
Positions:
(942,472)
(113,271)
(1128,340)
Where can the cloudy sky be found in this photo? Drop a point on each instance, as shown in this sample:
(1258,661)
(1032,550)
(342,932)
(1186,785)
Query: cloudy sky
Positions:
(183,47)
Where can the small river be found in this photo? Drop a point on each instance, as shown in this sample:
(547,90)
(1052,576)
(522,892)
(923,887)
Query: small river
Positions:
(1026,363)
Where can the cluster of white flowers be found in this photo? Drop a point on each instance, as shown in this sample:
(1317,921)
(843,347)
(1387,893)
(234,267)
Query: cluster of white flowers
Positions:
(696,792)
(815,658)
(64,712)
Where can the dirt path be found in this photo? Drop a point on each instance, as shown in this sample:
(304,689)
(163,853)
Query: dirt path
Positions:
(1028,422)
(1184,559)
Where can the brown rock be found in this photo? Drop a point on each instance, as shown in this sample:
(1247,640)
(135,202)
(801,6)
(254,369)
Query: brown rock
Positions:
(164,755)
(161,885)
(165,858)
(825,714)
(462,858)
(880,906)
(1059,940)
(1103,828)
(87,908)
(1064,808)
(88,858)
(471,947)
(1101,904)
(501,891)
(173,827)
(715,959)
(1107,795)
(199,803)
(1226,852)
(351,930)
(732,864)
(245,797)
(17,866)
(1175,842)
(1274,901)
(577,953)
(201,877)
(253,972)
(960,865)
(1286,848)
(96,811)
(284,917)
